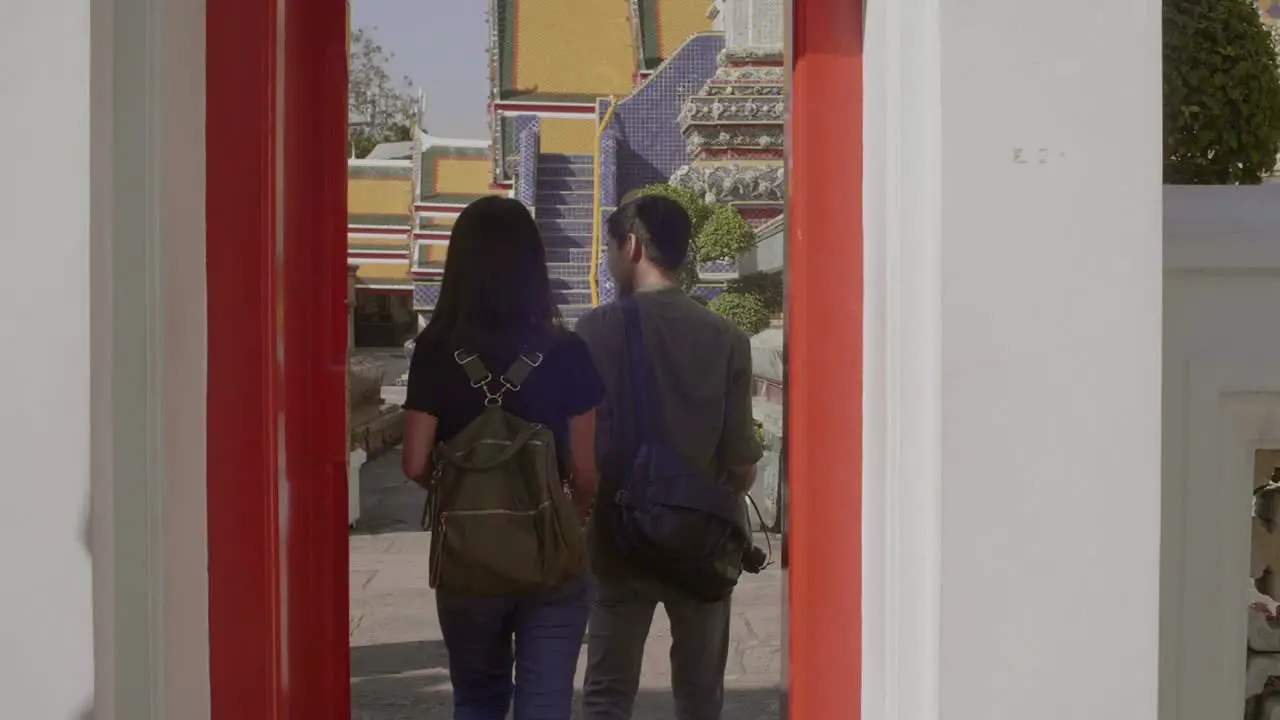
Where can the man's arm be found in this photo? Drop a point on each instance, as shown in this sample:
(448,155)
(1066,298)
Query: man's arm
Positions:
(739,448)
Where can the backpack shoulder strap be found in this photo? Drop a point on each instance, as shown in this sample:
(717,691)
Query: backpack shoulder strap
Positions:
(477,373)
(519,371)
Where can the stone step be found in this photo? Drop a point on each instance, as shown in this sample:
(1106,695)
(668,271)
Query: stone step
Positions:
(559,226)
(553,198)
(565,184)
(566,171)
(553,241)
(561,212)
(574,254)
(573,283)
(565,159)
(568,270)
(571,313)
(572,297)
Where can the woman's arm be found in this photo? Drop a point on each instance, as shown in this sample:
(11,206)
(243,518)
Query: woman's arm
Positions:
(582,451)
(419,437)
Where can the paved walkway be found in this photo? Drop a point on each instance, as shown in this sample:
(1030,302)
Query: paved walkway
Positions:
(398,662)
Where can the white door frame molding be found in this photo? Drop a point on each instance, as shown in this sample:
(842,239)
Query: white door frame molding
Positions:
(1221,403)
(902,361)
(148,314)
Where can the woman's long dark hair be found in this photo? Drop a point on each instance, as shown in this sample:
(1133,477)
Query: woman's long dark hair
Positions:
(495,298)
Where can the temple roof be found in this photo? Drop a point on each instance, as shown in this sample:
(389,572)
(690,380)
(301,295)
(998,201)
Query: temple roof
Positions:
(665,25)
(430,256)
(379,193)
(392,151)
(564,50)
(454,171)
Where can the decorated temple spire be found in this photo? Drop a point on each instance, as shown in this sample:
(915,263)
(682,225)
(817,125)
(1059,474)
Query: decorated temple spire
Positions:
(420,114)
(733,126)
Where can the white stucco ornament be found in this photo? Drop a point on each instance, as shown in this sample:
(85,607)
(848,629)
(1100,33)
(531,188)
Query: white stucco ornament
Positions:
(1263,630)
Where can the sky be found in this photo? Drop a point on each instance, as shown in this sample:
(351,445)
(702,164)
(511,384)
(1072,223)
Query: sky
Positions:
(443,46)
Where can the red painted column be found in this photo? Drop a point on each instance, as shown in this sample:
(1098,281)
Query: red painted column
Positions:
(243,500)
(314,323)
(824,360)
(276,202)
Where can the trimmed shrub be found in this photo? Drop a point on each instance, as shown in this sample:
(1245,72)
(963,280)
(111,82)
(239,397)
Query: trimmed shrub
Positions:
(1221,93)
(744,311)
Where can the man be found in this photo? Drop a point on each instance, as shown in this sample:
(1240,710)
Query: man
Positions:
(701,366)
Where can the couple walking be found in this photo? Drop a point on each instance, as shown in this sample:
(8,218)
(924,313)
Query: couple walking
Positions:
(638,427)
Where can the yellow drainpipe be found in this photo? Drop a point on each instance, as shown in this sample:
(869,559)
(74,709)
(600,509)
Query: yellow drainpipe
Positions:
(595,207)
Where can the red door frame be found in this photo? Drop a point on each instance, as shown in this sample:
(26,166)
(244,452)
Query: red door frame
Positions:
(245,616)
(277,329)
(277,334)
(824,359)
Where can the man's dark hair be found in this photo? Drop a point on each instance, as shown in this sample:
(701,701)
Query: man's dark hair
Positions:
(661,226)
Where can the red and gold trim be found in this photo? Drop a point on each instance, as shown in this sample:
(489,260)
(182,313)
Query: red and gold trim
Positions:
(509,106)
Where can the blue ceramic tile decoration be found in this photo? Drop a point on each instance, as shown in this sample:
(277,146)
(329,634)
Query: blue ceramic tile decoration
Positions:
(528,147)
(425,295)
(643,144)
(650,144)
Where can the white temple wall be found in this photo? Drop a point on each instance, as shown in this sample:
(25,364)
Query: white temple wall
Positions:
(1013,361)
(102,532)
(46,658)
(1221,403)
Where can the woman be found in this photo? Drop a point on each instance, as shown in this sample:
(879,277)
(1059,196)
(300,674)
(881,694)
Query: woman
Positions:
(496,300)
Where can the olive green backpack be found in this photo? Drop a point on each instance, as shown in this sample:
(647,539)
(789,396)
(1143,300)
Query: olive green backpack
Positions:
(501,517)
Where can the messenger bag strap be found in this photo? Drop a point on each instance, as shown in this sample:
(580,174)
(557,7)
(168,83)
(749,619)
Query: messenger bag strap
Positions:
(639,377)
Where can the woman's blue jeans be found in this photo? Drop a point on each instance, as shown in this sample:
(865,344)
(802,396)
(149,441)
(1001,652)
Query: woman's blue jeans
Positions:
(536,636)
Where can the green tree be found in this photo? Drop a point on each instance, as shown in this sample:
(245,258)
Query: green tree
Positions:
(721,233)
(766,286)
(745,311)
(380,109)
(1221,93)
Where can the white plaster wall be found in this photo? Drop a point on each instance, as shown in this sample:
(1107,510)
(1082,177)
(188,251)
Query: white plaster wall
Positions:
(1221,402)
(103,361)
(1051,330)
(46,640)
(1013,369)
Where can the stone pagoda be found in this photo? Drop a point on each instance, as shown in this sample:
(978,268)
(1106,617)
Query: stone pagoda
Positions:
(733,125)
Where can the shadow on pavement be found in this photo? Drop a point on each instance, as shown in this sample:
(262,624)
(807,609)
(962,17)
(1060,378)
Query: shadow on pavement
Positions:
(401,699)
(397,681)
(389,502)
(410,680)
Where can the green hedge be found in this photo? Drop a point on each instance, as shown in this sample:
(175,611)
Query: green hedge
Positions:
(721,233)
(747,312)
(1221,93)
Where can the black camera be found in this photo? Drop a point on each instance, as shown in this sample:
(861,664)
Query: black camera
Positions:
(754,560)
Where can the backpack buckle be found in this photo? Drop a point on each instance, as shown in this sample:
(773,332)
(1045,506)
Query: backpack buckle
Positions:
(462,357)
(533,360)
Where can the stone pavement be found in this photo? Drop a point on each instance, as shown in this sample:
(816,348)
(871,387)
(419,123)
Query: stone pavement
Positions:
(398,662)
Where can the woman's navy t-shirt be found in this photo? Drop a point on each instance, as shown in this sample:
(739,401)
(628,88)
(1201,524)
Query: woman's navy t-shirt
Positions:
(563,386)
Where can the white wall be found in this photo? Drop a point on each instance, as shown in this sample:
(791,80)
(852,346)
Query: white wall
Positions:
(1013,366)
(102,374)
(1221,402)
(46,646)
